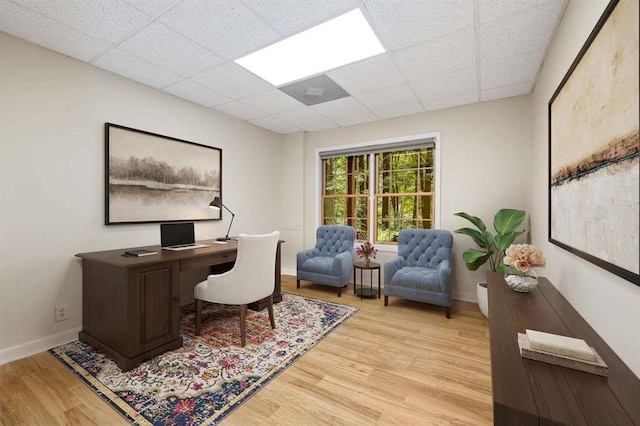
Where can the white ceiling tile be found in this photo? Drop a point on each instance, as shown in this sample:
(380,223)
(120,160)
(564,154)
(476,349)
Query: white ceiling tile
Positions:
(301,117)
(364,76)
(389,102)
(110,21)
(22,22)
(509,71)
(506,91)
(493,9)
(409,22)
(275,124)
(167,49)
(227,27)
(444,55)
(232,80)
(324,125)
(240,110)
(195,93)
(452,101)
(519,33)
(446,85)
(153,7)
(288,17)
(345,111)
(272,102)
(131,67)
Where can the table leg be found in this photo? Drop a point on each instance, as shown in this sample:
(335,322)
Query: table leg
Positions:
(354,280)
(379,283)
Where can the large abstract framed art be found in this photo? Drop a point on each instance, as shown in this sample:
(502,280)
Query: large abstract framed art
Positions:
(155,178)
(593,147)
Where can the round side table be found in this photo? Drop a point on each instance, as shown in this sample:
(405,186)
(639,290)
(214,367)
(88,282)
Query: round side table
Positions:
(369,292)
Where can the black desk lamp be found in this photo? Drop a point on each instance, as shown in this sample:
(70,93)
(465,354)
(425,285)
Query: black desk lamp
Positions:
(217,204)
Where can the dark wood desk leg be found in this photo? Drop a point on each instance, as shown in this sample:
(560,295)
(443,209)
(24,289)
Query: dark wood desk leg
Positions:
(379,283)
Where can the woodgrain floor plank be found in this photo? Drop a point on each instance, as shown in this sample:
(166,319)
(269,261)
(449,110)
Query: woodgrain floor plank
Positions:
(404,364)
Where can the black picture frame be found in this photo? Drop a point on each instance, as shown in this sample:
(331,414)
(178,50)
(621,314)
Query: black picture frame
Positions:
(593,147)
(153,178)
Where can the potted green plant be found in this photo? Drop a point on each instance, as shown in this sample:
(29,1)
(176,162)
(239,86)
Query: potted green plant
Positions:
(491,247)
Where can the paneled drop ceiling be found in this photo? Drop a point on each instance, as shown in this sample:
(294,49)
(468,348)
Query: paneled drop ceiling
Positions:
(439,53)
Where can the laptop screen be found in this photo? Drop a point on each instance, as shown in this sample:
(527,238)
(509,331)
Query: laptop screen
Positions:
(173,234)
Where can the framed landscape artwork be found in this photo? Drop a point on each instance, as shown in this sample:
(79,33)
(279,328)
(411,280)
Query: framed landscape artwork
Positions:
(155,178)
(593,147)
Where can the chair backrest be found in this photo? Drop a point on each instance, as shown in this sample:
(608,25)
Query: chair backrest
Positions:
(255,264)
(426,248)
(334,239)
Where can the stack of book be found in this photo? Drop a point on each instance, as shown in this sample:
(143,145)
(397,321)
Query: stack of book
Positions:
(561,350)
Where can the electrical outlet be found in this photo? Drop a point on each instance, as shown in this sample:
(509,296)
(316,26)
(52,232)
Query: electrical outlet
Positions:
(61,313)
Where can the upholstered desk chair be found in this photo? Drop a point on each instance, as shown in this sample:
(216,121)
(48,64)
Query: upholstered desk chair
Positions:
(331,260)
(251,279)
(422,269)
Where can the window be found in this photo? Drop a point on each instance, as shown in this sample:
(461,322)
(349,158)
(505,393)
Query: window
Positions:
(380,190)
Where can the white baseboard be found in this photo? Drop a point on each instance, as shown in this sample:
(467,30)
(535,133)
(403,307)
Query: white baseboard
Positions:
(39,345)
(287,271)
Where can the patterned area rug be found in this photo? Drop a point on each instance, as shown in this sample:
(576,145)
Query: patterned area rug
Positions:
(212,374)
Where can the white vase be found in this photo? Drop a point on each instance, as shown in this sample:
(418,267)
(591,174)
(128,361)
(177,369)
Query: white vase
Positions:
(483,300)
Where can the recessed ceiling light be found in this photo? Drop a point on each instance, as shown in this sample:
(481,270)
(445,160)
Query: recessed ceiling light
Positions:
(342,40)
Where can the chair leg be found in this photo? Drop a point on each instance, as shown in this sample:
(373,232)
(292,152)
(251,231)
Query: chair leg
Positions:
(339,291)
(198,315)
(297,283)
(386,300)
(270,309)
(243,324)
(447,312)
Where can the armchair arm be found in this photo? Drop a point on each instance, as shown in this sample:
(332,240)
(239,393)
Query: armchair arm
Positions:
(444,276)
(304,255)
(342,265)
(391,267)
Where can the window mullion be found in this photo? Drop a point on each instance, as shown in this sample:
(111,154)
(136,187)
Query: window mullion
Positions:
(372,220)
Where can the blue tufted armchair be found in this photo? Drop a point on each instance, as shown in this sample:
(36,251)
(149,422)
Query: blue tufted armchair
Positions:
(422,269)
(331,260)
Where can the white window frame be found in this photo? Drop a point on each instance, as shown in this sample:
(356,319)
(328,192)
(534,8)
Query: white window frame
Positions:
(393,248)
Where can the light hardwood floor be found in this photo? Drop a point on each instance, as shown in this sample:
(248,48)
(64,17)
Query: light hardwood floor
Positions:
(401,364)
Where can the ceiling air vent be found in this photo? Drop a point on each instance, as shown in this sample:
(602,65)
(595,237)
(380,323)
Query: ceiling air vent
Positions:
(315,90)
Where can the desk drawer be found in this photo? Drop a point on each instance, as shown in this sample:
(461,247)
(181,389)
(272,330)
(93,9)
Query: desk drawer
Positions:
(207,260)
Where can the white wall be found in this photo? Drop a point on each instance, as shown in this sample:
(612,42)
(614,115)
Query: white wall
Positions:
(292,195)
(485,152)
(609,304)
(52,112)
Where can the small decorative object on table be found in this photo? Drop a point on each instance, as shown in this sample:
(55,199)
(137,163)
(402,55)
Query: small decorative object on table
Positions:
(519,261)
(367,251)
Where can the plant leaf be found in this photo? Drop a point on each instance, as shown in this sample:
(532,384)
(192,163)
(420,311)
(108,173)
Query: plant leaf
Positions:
(507,221)
(473,219)
(502,242)
(479,237)
(475,258)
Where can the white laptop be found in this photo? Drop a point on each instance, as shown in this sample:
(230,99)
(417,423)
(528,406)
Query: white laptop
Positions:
(178,236)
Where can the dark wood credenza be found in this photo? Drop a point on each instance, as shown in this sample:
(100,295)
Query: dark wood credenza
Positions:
(131,305)
(528,392)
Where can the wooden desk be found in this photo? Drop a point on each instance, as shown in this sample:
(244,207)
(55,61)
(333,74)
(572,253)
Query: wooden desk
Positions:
(528,392)
(131,305)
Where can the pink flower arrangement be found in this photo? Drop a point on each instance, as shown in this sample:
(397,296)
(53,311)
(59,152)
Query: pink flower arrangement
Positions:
(367,250)
(523,257)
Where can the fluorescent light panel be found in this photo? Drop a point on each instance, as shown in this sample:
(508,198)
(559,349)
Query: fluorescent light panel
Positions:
(342,40)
